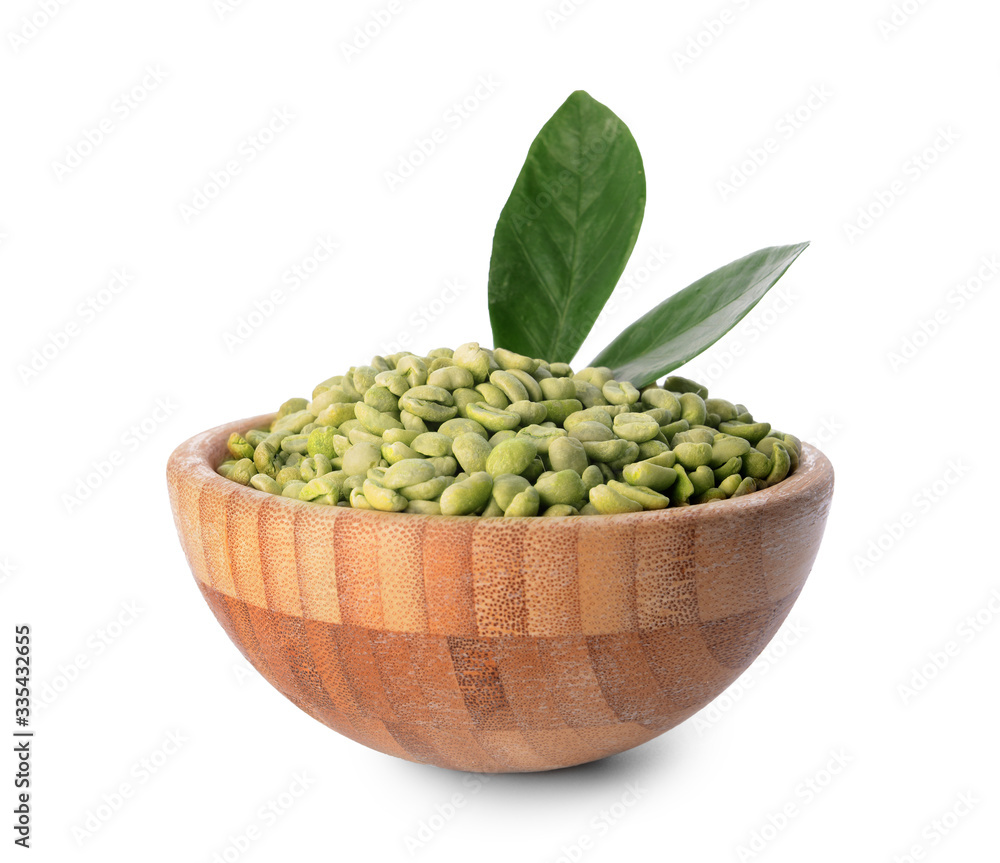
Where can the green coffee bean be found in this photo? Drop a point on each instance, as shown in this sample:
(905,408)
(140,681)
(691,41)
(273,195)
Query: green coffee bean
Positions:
(560,509)
(398,451)
(361,435)
(506,487)
(674,428)
(508,360)
(411,422)
(607,501)
(454,427)
(292,489)
(643,495)
(292,406)
(542,436)
(360,457)
(262,482)
(470,356)
(337,414)
(242,471)
(725,447)
(293,422)
(451,377)
(413,369)
(655,397)
(591,477)
(630,455)
(239,447)
(392,380)
(693,455)
(444,465)
(564,486)
(693,408)
(382,498)
(729,485)
(678,384)
(286,475)
(524,503)
(591,431)
(731,467)
(408,471)
(682,489)
(535,470)
(635,427)
(323,440)
(747,485)
(467,496)
(358,499)
(528,412)
(756,465)
(620,392)
(702,479)
(492,419)
(781,464)
(321,486)
(607,450)
(530,384)
(652,448)
(465,397)
(558,409)
(557,389)
(429,490)
(752,432)
(654,476)
(428,411)
(375,421)
(567,453)
(471,451)
(588,395)
(431,444)
(511,456)
(492,396)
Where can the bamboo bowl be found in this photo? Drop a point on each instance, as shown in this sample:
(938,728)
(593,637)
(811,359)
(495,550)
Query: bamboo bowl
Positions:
(496,645)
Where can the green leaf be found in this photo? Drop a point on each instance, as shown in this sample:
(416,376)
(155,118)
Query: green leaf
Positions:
(683,325)
(566,232)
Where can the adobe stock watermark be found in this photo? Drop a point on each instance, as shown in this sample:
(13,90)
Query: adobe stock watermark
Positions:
(95,645)
(930,326)
(778,649)
(95,134)
(600,824)
(266,817)
(898,17)
(559,13)
(454,117)
(374,25)
(102,468)
(85,313)
(431,826)
(712,29)
(939,828)
(778,302)
(246,153)
(141,771)
(634,279)
(937,660)
(804,795)
(922,503)
(224,8)
(421,318)
(8,569)
(913,169)
(32,24)
(786,127)
(291,279)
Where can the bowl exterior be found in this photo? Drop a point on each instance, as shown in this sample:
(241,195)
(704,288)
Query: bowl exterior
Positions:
(496,645)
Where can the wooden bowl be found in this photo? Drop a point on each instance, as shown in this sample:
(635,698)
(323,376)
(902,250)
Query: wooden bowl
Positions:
(496,645)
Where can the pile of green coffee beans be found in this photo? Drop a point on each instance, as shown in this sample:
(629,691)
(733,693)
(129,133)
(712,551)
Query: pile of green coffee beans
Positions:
(495,433)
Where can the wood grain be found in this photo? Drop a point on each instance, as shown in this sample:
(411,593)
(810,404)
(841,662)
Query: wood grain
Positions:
(496,645)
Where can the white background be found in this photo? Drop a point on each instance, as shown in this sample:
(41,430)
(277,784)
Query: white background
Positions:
(878,346)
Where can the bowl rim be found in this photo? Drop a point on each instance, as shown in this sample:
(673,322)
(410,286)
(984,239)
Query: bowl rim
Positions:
(193,463)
